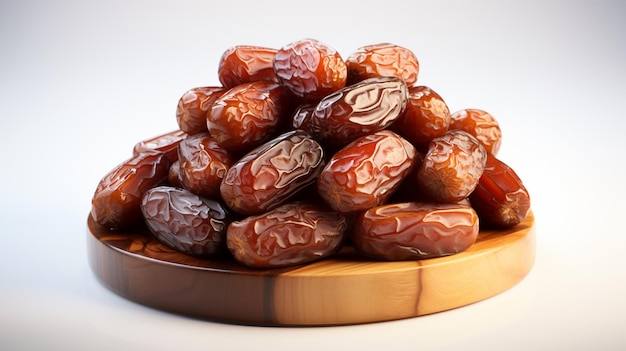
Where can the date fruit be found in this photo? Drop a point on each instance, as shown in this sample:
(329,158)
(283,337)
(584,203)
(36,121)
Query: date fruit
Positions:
(481,125)
(272,173)
(247,115)
(185,221)
(246,63)
(366,172)
(193,108)
(451,167)
(166,143)
(359,109)
(310,69)
(415,230)
(203,165)
(500,198)
(383,60)
(116,203)
(291,234)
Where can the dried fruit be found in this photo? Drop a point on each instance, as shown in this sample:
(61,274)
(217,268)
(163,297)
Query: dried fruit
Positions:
(481,125)
(246,63)
(194,106)
(166,143)
(383,60)
(426,117)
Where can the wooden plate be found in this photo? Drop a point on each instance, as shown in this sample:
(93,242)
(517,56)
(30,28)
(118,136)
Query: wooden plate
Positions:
(345,289)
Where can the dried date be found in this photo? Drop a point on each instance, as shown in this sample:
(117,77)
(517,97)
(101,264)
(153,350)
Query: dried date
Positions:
(193,108)
(382,60)
(116,203)
(500,198)
(272,173)
(357,110)
(415,230)
(246,63)
(166,143)
(451,167)
(293,233)
(366,172)
(480,124)
(185,221)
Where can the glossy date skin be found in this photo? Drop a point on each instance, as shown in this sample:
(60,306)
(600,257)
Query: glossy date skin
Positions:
(246,63)
(272,173)
(310,69)
(291,234)
(202,165)
(383,60)
(247,115)
(500,198)
(366,172)
(415,230)
(357,110)
(116,203)
(480,124)
(185,221)
(166,143)
(426,117)
(451,167)
(193,108)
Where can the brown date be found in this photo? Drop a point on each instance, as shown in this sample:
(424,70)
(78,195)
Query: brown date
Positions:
(359,109)
(382,60)
(481,125)
(247,115)
(291,234)
(415,230)
(500,198)
(451,167)
(193,108)
(366,172)
(116,203)
(301,118)
(173,175)
(185,221)
(310,69)
(272,173)
(166,143)
(426,117)
(203,164)
(246,63)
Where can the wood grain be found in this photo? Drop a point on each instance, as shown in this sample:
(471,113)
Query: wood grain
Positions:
(344,289)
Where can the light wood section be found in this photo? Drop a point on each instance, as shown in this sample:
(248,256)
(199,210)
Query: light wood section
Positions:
(345,289)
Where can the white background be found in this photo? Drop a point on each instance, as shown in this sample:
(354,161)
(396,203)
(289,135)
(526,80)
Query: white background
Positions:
(82,81)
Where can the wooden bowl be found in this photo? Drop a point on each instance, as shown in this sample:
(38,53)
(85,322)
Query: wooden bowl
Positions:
(344,289)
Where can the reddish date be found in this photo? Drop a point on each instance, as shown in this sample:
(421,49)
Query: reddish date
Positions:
(193,108)
(310,69)
(185,221)
(500,198)
(451,167)
(383,60)
(248,115)
(415,230)
(426,117)
(203,165)
(357,110)
(481,125)
(366,172)
(272,173)
(166,143)
(116,203)
(291,234)
(245,63)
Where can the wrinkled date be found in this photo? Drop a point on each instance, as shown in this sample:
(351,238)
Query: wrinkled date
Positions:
(310,69)
(116,203)
(193,108)
(366,172)
(481,125)
(426,117)
(383,60)
(451,167)
(357,110)
(293,233)
(185,221)
(248,114)
(500,198)
(245,63)
(166,143)
(272,173)
(202,165)
(415,230)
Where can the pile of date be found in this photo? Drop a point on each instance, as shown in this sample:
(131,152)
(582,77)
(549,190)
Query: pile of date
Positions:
(300,152)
